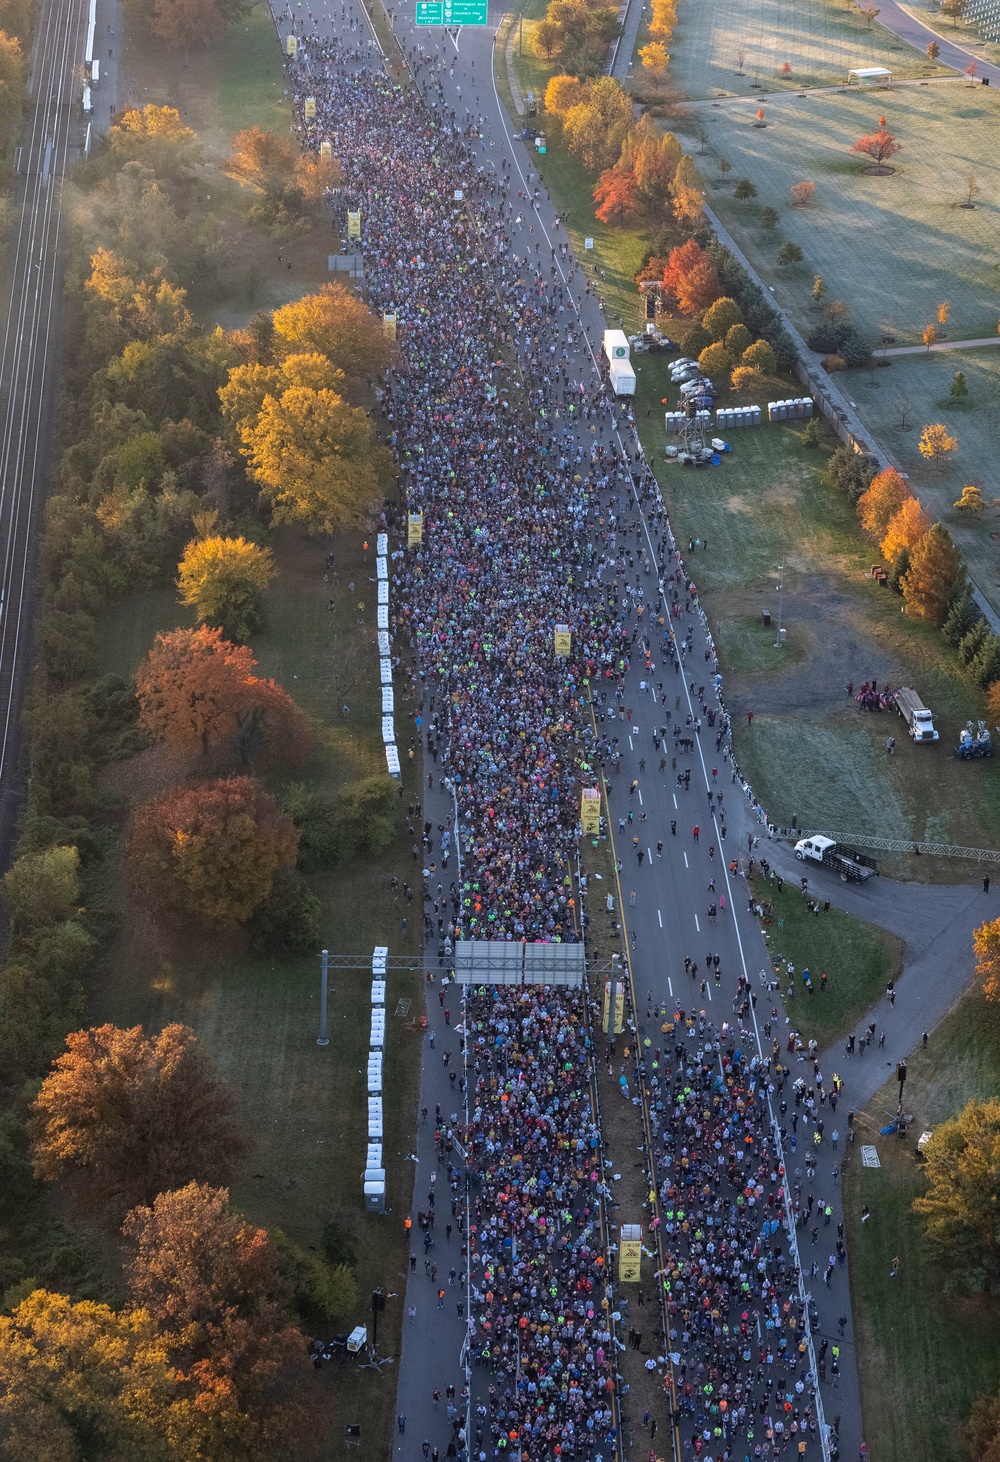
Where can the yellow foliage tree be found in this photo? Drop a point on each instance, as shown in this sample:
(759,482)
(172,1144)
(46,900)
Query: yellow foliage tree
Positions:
(935,574)
(141,308)
(960,1204)
(596,128)
(936,443)
(663,18)
(655,57)
(747,378)
(12,81)
(242,396)
(315,459)
(224,580)
(157,138)
(906,526)
(686,192)
(335,323)
(563,93)
(971,501)
(882,501)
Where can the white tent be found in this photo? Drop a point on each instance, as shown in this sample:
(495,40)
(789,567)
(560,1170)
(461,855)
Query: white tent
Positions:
(870,75)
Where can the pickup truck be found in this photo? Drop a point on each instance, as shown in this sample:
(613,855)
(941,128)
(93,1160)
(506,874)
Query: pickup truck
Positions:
(848,862)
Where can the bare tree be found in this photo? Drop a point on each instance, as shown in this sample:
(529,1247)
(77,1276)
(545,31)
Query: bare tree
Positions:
(741,56)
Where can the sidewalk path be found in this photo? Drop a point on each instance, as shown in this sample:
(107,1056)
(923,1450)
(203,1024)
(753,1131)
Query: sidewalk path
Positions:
(941,345)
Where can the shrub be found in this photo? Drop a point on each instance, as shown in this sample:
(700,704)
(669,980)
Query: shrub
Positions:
(357,822)
(716,362)
(759,315)
(721,316)
(290,921)
(738,340)
(693,339)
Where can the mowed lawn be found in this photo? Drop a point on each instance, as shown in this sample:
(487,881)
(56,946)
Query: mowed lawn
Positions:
(919,386)
(922,1356)
(892,248)
(811,753)
(819,39)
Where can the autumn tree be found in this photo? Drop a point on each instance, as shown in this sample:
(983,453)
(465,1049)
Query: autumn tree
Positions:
(13,75)
(971,500)
(157,139)
(690,278)
(954,8)
(197,690)
(213,849)
(933,51)
(224,580)
(655,58)
(596,127)
(616,193)
(130,307)
(819,288)
(663,18)
(802,194)
(936,443)
(760,356)
(738,339)
(122,1116)
(747,379)
(70,1372)
(653,157)
(906,526)
(686,192)
(265,161)
(882,501)
(869,10)
(959,1208)
(211,1284)
(716,362)
(935,575)
(929,336)
(547,37)
(315,459)
(186,23)
(721,316)
(563,93)
(878,147)
(334,322)
(943,313)
(986,939)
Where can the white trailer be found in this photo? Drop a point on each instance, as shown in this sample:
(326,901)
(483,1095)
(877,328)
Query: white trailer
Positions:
(622,378)
(616,346)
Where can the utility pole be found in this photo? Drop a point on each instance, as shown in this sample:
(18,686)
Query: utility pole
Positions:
(323,1039)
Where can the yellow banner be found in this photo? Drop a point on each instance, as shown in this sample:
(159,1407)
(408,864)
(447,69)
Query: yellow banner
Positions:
(325,149)
(590,811)
(414,529)
(630,1261)
(310,108)
(563,639)
(291,46)
(389,326)
(353,223)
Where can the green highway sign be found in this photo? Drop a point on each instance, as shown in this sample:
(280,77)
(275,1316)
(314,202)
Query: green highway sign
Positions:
(452,12)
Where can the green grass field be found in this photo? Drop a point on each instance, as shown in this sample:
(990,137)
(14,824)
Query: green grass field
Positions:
(819,40)
(918,386)
(892,248)
(858,958)
(922,1357)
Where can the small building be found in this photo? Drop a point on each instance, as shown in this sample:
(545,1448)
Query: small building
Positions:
(870,75)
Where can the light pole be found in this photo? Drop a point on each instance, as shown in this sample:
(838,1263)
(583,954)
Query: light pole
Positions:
(323,1039)
(781,576)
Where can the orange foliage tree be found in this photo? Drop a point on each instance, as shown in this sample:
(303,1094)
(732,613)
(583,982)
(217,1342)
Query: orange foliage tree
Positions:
(986,939)
(616,193)
(197,690)
(691,278)
(122,1116)
(334,322)
(880,503)
(213,849)
(878,147)
(905,527)
(210,1283)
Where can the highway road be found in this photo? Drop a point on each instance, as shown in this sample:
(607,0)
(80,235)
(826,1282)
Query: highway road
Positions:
(29,359)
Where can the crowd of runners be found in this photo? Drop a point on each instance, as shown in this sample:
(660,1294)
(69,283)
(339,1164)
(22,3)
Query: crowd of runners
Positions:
(532,518)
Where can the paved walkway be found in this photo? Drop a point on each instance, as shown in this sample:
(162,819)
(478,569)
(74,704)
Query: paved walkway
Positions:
(941,345)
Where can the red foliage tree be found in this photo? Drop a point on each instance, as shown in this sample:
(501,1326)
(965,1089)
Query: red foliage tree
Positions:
(197,690)
(213,849)
(879,146)
(617,194)
(691,278)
